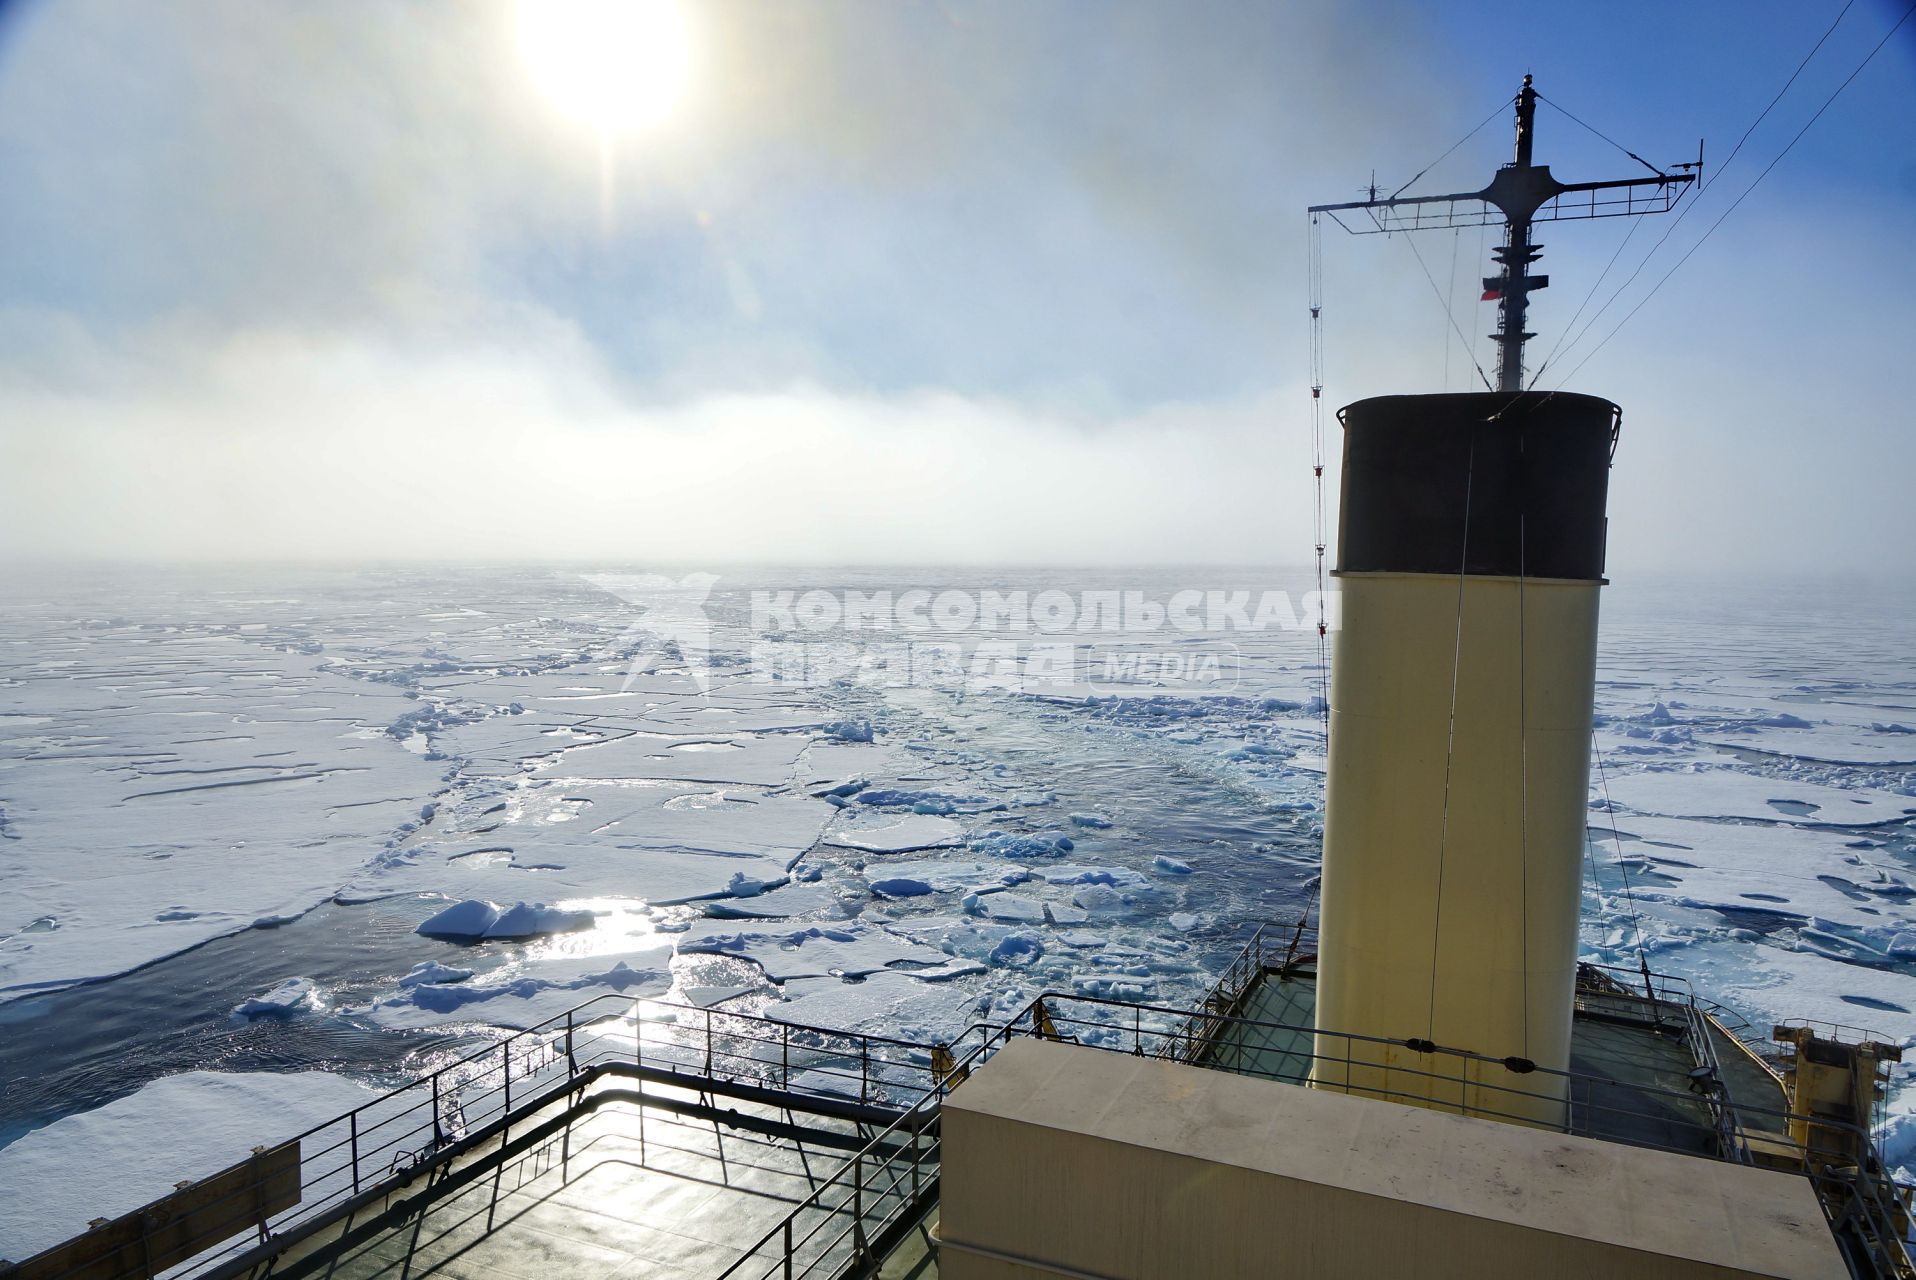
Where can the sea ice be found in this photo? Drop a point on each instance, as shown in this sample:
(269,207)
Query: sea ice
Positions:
(782,903)
(475,918)
(665,843)
(112,1159)
(165,782)
(1720,792)
(809,951)
(887,1003)
(936,875)
(152,768)
(764,759)
(434,972)
(1006,844)
(917,831)
(924,801)
(523,995)
(284,1000)
(1012,908)
(1017,951)
(1746,871)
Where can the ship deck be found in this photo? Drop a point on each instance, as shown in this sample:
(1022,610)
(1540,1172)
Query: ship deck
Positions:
(1635,1054)
(658,1183)
(649,1140)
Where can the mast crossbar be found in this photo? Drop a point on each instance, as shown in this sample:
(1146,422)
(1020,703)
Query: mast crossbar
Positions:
(1520,194)
(1474,209)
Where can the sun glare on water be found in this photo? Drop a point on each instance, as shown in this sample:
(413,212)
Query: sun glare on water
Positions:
(615,66)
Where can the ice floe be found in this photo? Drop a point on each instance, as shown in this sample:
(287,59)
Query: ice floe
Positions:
(520,996)
(918,831)
(810,951)
(1720,792)
(284,1000)
(109,1161)
(475,919)
(910,879)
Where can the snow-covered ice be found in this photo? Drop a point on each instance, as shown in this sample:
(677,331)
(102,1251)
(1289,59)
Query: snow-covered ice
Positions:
(1721,791)
(113,1159)
(918,831)
(475,918)
(517,997)
(288,998)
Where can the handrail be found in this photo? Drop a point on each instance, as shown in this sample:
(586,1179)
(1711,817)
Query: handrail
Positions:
(1245,968)
(568,1020)
(784,1233)
(384,1141)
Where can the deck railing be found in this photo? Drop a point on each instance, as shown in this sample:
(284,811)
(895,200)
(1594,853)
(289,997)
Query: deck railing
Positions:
(851,1217)
(383,1144)
(1867,1209)
(844,1224)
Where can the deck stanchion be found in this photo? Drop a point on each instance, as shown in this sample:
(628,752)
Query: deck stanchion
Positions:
(858,1205)
(785,1055)
(571,1062)
(788,1249)
(438,1134)
(352,1122)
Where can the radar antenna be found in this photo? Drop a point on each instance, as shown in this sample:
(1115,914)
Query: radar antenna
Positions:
(1521,193)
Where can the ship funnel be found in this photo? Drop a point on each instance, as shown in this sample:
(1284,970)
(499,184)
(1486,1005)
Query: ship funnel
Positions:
(1470,556)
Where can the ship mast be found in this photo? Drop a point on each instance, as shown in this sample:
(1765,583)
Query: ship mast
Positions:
(1520,194)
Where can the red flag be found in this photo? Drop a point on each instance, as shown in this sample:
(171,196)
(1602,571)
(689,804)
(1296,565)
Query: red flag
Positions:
(1491,295)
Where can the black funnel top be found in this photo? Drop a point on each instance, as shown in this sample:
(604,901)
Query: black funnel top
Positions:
(1495,484)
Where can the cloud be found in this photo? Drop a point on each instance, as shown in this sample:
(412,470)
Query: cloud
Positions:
(289,446)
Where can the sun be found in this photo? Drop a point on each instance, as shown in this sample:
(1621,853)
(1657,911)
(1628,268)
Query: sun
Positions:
(616,66)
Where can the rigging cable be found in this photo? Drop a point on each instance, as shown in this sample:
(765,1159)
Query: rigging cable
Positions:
(1827,102)
(1587,299)
(1450,301)
(1616,842)
(1523,752)
(1450,740)
(1715,177)
(1780,92)
(1607,138)
(1315,276)
(1482,227)
(1412,242)
(1497,111)
(1449,308)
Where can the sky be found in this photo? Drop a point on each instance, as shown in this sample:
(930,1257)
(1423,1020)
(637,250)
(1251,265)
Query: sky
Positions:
(1017,282)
